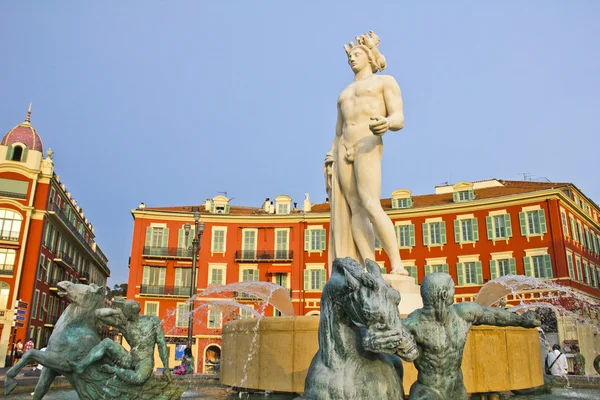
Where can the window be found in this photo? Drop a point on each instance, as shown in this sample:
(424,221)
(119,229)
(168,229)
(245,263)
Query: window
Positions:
(502,267)
(281,244)
(183,281)
(574,229)
(151,308)
(579,271)
(182,315)
(157,241)
(469,273)
(282,279)
(538,266)
(250,275)
(216,276)
(405,235)
(463,195)
(214,318)
(35,304)
(249,244)
(412,271)
(7,261)
(185,242)
(41,268)
(153,281)
(466,230)
(10,225)
(314,239)
(283,208)
(43,306)
(315,278)
(13,188)
(436,268)
(532,222)
(498,226)
(434,233)
(245,314)
(570,265)
(402,203)
(218,240)
(565,225)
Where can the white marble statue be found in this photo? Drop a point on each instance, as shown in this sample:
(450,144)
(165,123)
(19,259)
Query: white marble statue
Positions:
(367,109)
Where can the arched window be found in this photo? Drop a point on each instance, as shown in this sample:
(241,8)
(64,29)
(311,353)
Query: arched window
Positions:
(7,261)
(212,359)
(17,153)
(4,291)
(10,225)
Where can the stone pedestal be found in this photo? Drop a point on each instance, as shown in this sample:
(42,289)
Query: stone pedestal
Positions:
(409,290)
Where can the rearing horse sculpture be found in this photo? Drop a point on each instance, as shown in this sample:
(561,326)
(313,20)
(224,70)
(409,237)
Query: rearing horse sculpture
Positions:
(360,333)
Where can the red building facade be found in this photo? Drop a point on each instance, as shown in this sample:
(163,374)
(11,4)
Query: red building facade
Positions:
(474,231)
(44,238)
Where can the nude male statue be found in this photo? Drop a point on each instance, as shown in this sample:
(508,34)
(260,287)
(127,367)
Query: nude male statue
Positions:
(440,329)
(367,109)
(142,332)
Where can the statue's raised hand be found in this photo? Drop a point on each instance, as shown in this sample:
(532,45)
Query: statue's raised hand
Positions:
(379,125)
(393,341)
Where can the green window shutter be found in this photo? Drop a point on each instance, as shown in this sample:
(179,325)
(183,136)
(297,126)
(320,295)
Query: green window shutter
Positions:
(512,265)
(323,278)
(383,270)
(24,155)
(161,276)
(443,232)
(425,235)
(307,279)
(542,216)
(572,221)
(427,270)
(471,194)
(323,241)
(548,265)
(460,274)
(181,238)
(412,271)
(394,203)
(475,226)
(177,276)
(457,231)
(507,225)
(455,197)
(411,229)
(227,208)
(148,237)
(212,208)
(445,268)
(523,222)
(409,202)
(165,237)
(9,152)
(479,272)
(397,231)
(146,277)
(528,267)
(306,240)
(493,269)
(489,227)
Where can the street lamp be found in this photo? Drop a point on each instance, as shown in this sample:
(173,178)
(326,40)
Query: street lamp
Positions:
(198,231)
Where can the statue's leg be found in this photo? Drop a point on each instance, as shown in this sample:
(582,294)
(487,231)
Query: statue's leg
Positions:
(46,378)
(139,375)
(47,358)
(367,167)
(422,392)
(362,230)
(107,346)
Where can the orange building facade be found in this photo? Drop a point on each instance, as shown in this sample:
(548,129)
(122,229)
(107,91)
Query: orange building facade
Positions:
(44,238)
(474,231)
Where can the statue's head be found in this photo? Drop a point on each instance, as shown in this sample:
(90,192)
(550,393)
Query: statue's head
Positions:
(368,300)
(365,53)
(437,291)
(130,308)
(85,296)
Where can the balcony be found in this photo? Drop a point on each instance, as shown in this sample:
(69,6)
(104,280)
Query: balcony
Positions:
(50,321)
(54,284)
(166,252)
(158,290)
(63,259)
(7,270)
(264,255)
(10,236)
(84,276)
(242,296)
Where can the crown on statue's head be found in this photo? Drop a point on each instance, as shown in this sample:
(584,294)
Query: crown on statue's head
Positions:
(368,42)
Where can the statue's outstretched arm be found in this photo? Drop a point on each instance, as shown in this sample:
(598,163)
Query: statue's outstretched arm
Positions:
(480,315)
(393,103)
(111,316)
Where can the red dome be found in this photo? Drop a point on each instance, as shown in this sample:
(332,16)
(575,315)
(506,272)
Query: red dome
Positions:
(24,133)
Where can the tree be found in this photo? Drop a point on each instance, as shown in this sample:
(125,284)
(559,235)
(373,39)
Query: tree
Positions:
(119,290)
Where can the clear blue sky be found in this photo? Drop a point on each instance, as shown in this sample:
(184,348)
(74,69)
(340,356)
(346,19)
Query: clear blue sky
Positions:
(170,102)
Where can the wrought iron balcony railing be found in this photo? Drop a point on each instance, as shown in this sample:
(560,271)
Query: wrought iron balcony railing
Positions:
(264,255)
(161,290)
(63,258)
(167,252)
(245,296)
(7,270)
(10,236)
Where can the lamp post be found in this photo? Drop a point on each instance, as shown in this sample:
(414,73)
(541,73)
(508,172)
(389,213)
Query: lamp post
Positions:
(198,231)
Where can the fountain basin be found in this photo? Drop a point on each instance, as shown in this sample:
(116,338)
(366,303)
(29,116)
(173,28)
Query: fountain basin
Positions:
(275,356)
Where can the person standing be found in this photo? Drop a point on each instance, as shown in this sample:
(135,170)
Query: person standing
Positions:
(556,362)
(18,351)
(578,361)
(29,345)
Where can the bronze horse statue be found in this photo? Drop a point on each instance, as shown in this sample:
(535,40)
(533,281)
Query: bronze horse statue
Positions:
(360,335)
(74,335)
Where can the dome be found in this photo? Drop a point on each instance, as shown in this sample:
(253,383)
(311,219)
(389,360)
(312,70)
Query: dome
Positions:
(24,133)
